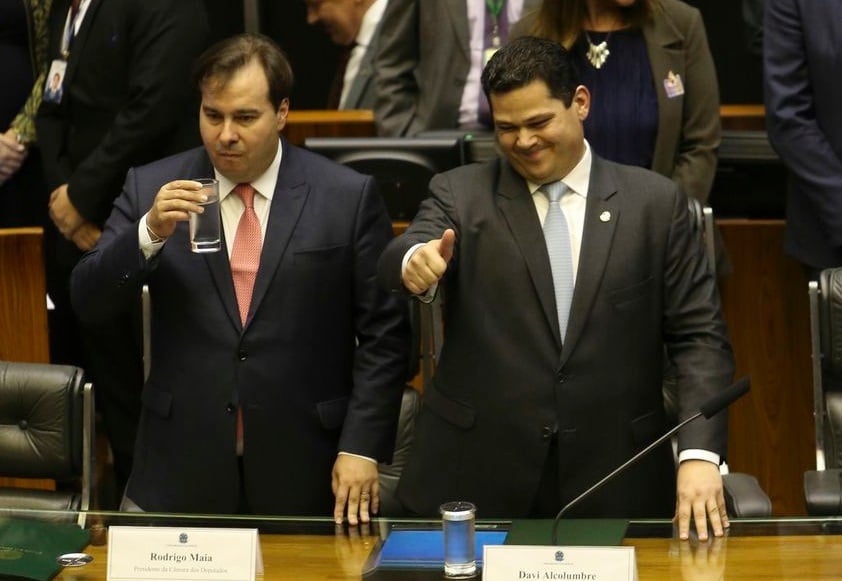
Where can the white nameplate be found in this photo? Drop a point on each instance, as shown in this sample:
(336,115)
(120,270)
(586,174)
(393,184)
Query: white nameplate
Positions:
(547,563)
(168,553)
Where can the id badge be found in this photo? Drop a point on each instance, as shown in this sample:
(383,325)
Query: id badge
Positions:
(53,86)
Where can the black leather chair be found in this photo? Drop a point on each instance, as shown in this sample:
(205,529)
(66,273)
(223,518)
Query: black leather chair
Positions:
(46,432)
(823,486)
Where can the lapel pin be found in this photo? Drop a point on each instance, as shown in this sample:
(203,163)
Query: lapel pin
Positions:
(605,216)
(673,85)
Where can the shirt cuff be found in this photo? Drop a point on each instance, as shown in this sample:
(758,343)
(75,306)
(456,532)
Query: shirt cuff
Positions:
(148,246)
(358,456)
(430,294)
(693,454)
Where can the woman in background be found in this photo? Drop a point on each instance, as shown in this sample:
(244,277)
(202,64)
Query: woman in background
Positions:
(23,50)
(655,96)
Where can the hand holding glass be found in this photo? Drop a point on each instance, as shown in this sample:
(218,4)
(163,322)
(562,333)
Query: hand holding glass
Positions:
(205,227)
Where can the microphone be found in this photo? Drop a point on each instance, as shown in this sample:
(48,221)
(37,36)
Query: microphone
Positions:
(709,409)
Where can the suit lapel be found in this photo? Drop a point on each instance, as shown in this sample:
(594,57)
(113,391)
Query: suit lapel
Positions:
(218,262)
(602,213)
(518,209)
(80,39)
(291,193)
(664,43)
(362,79)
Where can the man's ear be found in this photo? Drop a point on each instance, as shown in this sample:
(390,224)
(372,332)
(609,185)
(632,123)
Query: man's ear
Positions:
(281,114)
(582,102)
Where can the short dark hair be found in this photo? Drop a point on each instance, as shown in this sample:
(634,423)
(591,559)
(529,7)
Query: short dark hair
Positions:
(527,59)
(219,63)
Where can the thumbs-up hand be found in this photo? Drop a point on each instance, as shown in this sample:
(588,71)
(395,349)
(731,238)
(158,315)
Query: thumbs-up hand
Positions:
(428,264)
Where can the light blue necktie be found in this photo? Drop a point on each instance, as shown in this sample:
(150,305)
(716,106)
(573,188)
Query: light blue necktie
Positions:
(557,235)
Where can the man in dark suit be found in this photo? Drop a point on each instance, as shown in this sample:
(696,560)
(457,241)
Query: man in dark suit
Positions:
(429,59)
(534,401)
(802,51)
(283,399)
(126,99)
(353,25)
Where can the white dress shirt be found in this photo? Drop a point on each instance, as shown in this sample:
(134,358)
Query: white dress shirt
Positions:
(368,26)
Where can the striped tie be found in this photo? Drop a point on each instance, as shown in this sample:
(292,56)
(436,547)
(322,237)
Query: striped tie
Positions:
(557,236)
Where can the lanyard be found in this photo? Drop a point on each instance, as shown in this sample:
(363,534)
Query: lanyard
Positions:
(495,7)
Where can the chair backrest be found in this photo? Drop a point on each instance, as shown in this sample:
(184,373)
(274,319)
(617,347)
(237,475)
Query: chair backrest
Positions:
(701,222)
(826,337)
(47,431)
(402,167)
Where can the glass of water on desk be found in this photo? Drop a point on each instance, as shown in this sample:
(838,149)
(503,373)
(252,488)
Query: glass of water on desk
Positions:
(205,227)
(457,520)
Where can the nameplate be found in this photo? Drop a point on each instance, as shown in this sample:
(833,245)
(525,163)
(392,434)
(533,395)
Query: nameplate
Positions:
(545,563)
(169,553)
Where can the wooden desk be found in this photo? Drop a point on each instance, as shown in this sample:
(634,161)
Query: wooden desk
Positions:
(360,123)
(743,117)
(303,124)
(740,555)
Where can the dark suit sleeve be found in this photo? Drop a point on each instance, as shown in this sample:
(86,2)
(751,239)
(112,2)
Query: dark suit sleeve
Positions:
(791,113)
(166,37)
(108,279)
(382,331)
(397,57)
(694,334)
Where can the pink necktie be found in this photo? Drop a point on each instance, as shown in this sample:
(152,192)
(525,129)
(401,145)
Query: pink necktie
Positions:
(245,256)
(245,259)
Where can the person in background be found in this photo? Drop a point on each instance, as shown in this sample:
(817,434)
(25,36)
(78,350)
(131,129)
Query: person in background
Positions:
(429,61)
(23,52)
(649,69)
(277,363)
(126,99)
(354,26)
(565,277)
(802,79)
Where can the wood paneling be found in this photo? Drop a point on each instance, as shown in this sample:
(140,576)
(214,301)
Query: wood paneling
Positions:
(360,123)
(743,117)
(767,312)
(348,123)
(23,306)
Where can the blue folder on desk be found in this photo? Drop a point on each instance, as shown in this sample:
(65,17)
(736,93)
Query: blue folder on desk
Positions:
(413,554)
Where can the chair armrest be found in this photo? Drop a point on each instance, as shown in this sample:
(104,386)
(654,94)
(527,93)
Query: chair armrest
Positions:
(744,497)
(823,492)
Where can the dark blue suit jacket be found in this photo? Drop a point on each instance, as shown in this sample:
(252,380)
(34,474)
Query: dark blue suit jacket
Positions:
(318,367)
(802,51)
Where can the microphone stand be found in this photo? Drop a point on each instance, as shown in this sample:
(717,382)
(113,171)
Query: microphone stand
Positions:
(616,471)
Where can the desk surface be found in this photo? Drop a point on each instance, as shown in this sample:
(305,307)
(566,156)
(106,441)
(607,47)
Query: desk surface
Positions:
(780,549)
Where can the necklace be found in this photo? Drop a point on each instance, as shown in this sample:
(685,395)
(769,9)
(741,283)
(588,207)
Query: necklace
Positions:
(597,53)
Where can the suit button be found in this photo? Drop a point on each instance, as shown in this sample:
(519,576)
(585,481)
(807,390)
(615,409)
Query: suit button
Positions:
(243,355)
(230,408)
(124,278)
(547,432)
(561,377)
